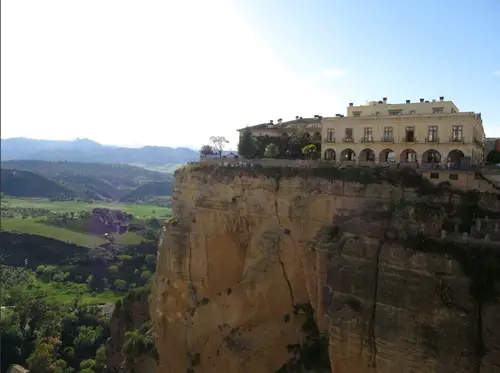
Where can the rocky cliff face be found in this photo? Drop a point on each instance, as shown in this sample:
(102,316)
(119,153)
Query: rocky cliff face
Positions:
(326,270)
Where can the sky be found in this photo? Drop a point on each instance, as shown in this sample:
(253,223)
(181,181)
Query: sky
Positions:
(175,72)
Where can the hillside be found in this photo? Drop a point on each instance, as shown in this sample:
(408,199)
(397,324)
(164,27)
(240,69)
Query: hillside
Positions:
(28,184)
(84,150)
(91,180)
(145,191)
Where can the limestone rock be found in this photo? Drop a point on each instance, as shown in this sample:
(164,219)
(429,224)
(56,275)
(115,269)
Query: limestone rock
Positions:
(263,272)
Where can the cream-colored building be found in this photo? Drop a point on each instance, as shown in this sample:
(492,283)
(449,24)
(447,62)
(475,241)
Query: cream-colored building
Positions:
(421,132)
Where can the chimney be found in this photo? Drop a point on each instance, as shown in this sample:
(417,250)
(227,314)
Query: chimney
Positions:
(271,121)
(408,101)
(351,104)
(421,100)
(280,120)
(441,98)
(300,118)
(296,117)
(337,115)
(385,100)
(380,102)
(427,101)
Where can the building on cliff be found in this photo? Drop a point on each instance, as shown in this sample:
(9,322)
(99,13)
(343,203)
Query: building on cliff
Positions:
(425,132)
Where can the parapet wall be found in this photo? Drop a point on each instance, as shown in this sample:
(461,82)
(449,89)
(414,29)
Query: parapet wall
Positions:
(482,179)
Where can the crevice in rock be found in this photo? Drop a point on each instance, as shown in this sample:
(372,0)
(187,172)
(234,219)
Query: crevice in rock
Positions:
(480,346)
(282,264)
(371,329)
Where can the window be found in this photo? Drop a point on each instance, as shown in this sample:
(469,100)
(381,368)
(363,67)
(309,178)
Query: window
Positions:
(434,175)
(432,134)
(437,110)
(377,113)
(388,131)
(356,113)
(457,134)
(410,134)
(348,135)
(330,135)
(412,112)
(453,176)
(394,112)
(367,134)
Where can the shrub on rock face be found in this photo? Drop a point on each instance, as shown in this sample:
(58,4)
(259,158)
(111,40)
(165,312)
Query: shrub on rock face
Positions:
(272,151)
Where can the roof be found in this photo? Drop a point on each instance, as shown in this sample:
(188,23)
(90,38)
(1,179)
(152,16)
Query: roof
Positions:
(290,123)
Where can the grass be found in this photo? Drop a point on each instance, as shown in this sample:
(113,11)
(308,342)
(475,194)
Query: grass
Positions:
(74,206)
(33,226)
(66,292)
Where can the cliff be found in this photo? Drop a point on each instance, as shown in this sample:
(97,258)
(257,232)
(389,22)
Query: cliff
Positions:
(126,351)
(326,270)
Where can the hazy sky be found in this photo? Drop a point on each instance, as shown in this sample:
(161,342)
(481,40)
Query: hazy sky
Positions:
(175,72)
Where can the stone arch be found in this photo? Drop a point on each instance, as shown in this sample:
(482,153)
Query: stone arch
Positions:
(329,155)
(454,158)
(431,156)
(493,157)
(384,155)
(347,155)
(367,155)
(408,156)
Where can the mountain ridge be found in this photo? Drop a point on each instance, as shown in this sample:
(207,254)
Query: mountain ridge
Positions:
(86,150)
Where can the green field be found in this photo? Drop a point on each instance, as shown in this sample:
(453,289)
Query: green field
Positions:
(33,226)
(73,206)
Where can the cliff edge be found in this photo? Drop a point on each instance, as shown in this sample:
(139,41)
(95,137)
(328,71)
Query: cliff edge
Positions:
(326,270)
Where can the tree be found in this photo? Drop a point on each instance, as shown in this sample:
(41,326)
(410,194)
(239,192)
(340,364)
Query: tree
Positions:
(247,147)
(41,359)
(493,157)
(218,144)
(206,150)
(272,151)
(120,285)
(309,150)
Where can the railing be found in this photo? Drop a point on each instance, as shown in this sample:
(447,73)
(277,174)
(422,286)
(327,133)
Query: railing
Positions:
(405,139)
(348,139)
(432,139)
(367,139)
(457,139)
(387,139)
(331,140)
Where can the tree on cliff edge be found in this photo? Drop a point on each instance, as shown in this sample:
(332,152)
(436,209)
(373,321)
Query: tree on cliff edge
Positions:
(206,150)
(247,147)
(218,144)
(272,151)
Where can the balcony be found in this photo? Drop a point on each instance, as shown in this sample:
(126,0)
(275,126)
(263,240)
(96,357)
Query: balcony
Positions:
(367,139)
(433,139)
(330,140)
(387,139)
(459,139)
(348,139)
(409,140)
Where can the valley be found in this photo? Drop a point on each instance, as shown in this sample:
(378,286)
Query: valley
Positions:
(76,241)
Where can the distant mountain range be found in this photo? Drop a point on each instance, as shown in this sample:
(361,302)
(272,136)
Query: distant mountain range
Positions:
(85,150)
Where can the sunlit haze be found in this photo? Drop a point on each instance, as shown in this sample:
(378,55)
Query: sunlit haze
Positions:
(174,73)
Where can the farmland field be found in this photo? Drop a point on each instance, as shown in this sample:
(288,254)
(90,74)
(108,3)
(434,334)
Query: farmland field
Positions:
(74,206)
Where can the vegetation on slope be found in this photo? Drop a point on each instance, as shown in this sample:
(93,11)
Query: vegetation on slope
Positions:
(92,180)
(28,184)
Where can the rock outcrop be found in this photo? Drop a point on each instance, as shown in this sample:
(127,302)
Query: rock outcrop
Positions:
(325,270)
(129,314)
